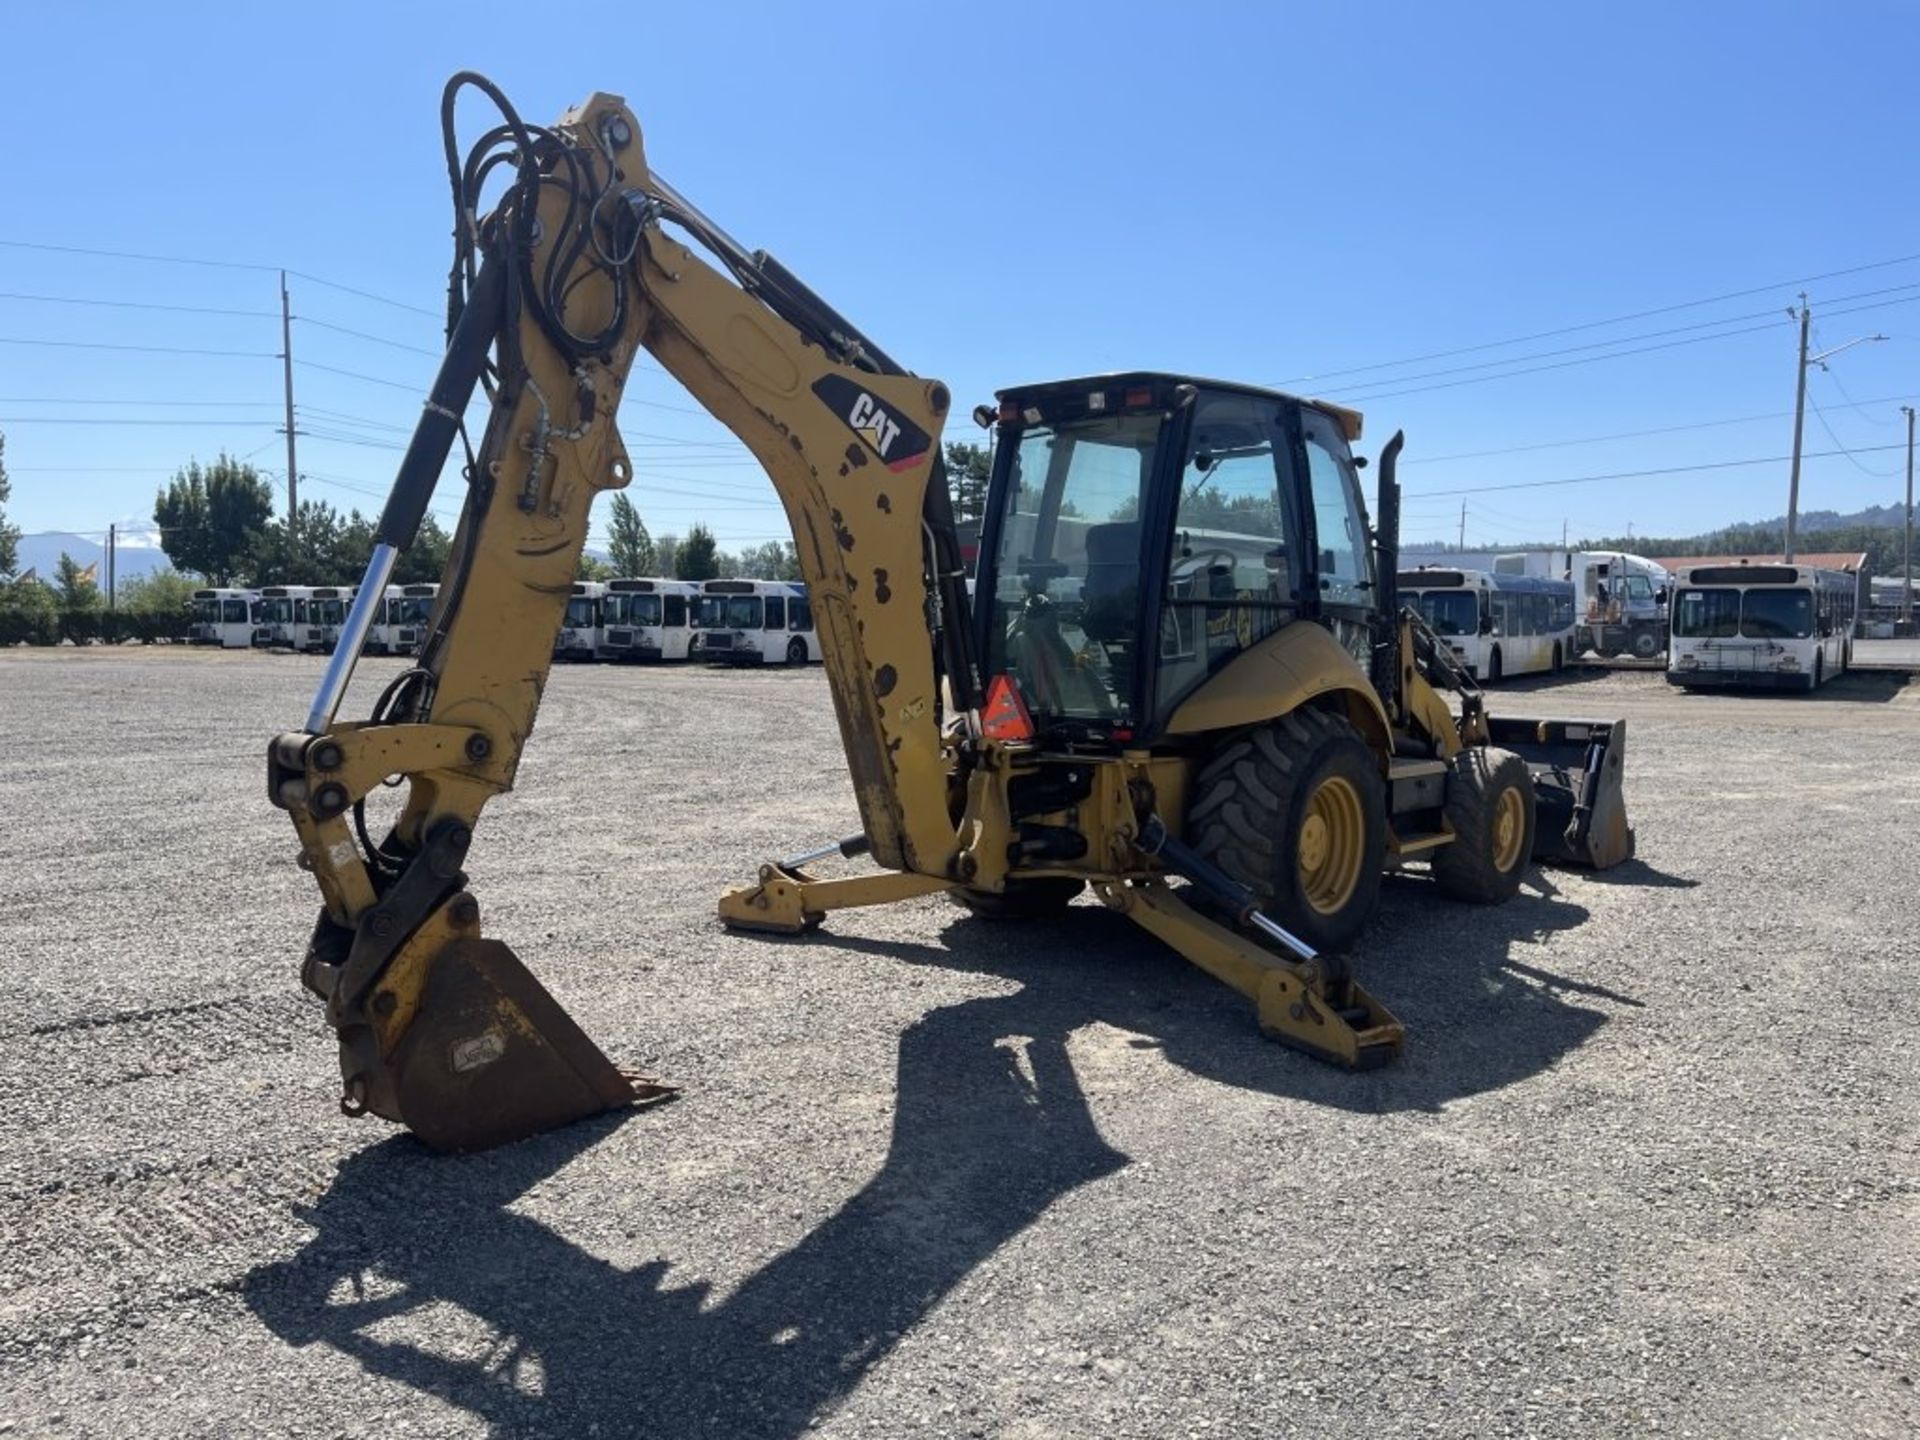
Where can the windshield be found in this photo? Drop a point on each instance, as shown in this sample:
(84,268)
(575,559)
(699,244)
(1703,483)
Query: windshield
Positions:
(613,608)
(580,612)
(278,611)
(206,611)
(1777,615)
(643,609)
(413,611)
(1449,612)
(1065,604)
(1707,614)
(328,612)
(729,612)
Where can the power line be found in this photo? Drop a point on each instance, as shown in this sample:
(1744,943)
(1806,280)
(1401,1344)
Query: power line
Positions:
(1821,416)
(363,335)
(145,349)
(1647,474)
(1619,435)
(363,294)
(130,255)
(1600,324)
(135,305)
(199,404)
(89,421)
(356,375)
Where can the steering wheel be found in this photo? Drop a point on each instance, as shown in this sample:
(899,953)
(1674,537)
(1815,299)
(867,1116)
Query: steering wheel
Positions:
(1192,567)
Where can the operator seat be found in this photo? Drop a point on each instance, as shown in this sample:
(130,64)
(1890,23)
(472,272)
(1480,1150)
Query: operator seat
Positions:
(1110,597)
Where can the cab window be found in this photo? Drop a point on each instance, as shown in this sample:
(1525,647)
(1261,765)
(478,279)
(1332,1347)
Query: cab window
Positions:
(1339,517)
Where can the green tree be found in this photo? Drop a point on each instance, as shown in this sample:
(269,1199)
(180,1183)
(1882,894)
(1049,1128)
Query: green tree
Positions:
(666,555)
(592,567)
(156,605)
(79,599)
(774,560)
(698,556)
(324,549)
(211,518)
(425,560)
(29,614)
(969,467)
(629,546)
(9,534)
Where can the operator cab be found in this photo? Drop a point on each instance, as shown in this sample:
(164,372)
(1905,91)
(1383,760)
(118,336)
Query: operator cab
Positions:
(1143,530)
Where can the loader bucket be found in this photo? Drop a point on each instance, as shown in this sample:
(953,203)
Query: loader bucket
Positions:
(460,1044)
(1577,767)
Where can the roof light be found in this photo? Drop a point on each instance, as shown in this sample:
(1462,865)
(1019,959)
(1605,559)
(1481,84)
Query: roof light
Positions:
(1009,412)
(1139,395)
(1031,414)
(1005,716)
(1097,400)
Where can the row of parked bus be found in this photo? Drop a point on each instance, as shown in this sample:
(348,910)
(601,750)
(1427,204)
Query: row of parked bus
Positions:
(723,621)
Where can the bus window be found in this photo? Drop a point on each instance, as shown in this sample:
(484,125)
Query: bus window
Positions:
(1777,615)
(677,611)
(1449,612)
(1707,614)
(233,612)
(801,613)
(776,613)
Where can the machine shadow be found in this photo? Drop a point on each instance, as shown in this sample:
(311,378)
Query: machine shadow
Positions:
(991,1128)
(988,1132)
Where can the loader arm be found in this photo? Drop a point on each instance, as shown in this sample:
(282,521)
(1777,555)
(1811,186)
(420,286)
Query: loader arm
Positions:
(555,293)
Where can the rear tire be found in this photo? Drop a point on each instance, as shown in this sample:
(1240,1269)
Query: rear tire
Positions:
(1646,645)
(1296,811)
(796,651)
(1491,809)
(1033,899)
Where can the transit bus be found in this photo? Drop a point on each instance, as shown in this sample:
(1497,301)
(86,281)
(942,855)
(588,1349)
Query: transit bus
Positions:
(648,619)
(579,637)
(305,618)
(223,617)
(1763,627)
(1496,624)
(401,624)
(747,622)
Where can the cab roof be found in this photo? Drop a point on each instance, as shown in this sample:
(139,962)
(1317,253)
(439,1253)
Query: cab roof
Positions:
(1350,420)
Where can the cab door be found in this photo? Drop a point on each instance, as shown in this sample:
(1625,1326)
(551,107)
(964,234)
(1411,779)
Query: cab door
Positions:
(1345,588)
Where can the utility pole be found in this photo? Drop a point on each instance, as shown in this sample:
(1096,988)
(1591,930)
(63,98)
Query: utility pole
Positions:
(112,535)
(1799,420)
(286,371)
(1463,525)
(1800,410)
(1906,553)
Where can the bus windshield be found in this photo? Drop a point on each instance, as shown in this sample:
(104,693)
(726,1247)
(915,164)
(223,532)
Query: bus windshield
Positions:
(413,610)
(1777,615)
(1707,614)
(580,611)
(328,612)
(730,612)
(207,610)
(643,609)
(1449,612)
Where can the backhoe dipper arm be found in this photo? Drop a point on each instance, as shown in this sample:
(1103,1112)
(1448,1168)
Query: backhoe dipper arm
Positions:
(554,294)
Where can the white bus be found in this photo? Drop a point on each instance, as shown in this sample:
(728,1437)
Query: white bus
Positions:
(1497,625)
(305,618)
(1774,627)
(648,619)
(223,617)
(580,637)
(746,622)
(402,622)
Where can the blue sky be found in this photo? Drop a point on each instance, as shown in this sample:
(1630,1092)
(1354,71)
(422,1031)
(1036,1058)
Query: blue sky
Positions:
(1271,193)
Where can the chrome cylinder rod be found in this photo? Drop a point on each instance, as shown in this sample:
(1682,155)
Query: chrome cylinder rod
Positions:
(353,635)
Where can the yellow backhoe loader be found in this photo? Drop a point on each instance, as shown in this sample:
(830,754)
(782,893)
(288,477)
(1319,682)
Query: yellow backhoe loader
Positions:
(1182,658)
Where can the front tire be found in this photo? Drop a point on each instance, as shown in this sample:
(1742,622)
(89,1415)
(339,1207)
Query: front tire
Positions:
(796,651)
(1646,645)
(1490,808)
(1296,811)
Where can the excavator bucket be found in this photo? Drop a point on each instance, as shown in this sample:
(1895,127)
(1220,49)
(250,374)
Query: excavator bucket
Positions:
(1577,767)
(457,1041)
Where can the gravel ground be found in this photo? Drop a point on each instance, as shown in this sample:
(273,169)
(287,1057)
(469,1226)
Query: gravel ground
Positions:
(1649,1163)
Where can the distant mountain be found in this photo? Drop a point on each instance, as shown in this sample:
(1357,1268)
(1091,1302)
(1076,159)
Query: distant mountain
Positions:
(42,552)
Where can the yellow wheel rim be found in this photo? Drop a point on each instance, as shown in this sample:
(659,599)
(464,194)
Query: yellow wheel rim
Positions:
(1509,829)
(1332,845)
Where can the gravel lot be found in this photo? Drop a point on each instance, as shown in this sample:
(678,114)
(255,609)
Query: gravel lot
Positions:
(1649,1163)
